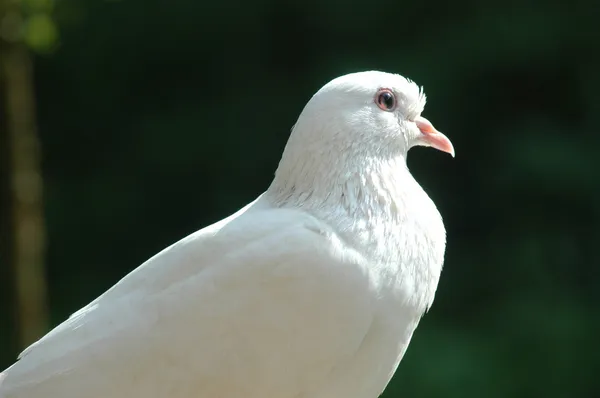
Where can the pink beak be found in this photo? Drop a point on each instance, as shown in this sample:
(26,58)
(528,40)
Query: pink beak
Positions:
(433,138)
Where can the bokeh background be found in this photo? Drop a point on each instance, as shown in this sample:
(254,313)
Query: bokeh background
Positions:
(126,125)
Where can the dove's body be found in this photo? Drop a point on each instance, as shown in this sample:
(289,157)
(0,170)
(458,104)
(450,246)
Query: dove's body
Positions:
(311,291)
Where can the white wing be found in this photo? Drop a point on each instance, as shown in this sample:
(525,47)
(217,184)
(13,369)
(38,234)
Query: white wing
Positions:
(267,303)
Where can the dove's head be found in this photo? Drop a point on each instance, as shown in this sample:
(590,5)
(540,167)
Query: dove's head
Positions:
(357,120)
(375,110)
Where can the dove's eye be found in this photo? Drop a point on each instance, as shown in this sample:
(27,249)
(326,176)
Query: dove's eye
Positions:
(386,100)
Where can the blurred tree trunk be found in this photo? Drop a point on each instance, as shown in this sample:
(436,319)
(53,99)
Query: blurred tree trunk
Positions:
(7,291)
(25,223)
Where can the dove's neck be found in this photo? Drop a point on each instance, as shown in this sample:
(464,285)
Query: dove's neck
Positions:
(375,198)
(340,179)
(311,176)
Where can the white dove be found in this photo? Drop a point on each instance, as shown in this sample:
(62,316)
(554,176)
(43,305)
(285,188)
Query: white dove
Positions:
(313,290)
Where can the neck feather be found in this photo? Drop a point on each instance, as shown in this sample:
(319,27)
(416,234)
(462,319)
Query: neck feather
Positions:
(372,189)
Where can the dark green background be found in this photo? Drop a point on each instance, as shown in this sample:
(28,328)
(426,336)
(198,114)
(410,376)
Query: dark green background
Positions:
(159,117)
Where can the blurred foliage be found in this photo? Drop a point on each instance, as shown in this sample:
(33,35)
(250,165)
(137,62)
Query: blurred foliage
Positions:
(29,21)
(158,118)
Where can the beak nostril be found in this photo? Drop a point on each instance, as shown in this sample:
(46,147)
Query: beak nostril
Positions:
(425,125)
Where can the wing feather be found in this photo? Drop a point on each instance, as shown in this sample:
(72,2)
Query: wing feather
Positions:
(267,303)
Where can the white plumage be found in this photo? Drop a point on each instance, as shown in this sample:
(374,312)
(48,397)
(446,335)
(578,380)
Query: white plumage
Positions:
(311,291)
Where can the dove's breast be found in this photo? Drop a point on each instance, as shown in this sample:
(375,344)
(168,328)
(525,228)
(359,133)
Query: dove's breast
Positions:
(405,251)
